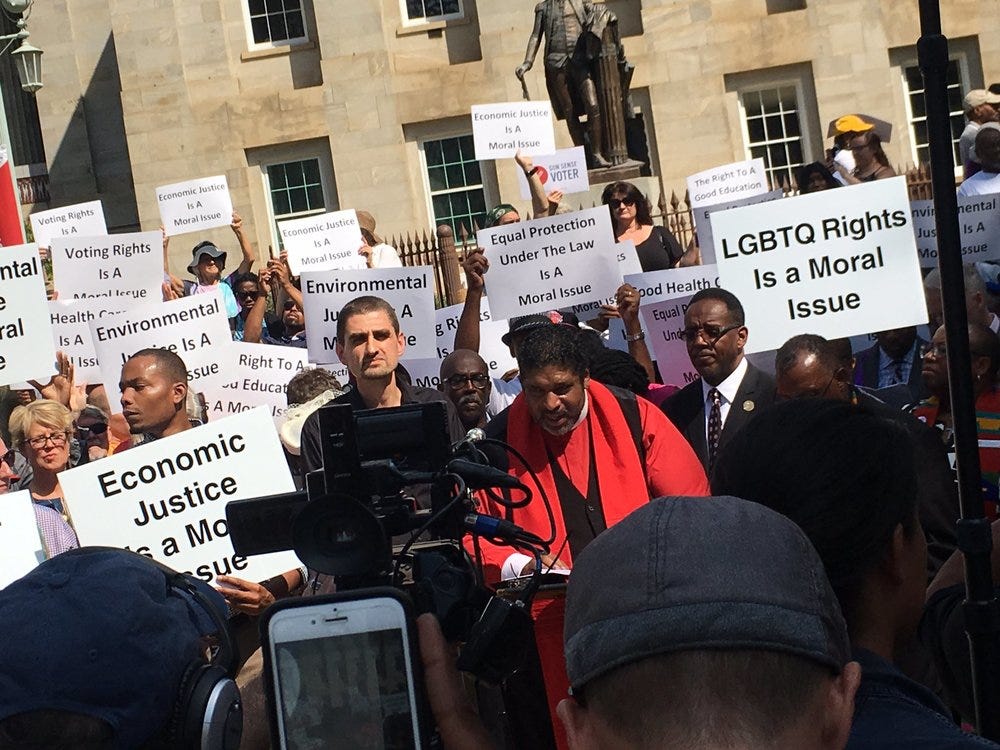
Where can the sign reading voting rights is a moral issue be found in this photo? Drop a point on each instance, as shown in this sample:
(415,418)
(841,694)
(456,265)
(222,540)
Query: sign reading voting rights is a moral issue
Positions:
(80,220)
(118,265)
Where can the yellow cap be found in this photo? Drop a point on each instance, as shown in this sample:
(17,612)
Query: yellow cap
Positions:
(851,124)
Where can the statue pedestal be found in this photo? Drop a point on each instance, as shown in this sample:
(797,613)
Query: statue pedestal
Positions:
(626,172)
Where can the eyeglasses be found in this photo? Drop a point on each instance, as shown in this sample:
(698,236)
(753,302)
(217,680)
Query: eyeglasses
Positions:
(290,304)
(710,333)
(617,203)
(247,293)
(477,379)
(58,440)
(98,428)
(8,458)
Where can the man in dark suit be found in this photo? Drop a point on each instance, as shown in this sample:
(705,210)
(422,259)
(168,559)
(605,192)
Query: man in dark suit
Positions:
(894,360)
(730,391)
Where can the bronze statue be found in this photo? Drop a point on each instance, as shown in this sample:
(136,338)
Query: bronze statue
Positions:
(577,37)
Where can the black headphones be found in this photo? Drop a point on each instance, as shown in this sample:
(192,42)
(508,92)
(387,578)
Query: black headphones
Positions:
(208,711)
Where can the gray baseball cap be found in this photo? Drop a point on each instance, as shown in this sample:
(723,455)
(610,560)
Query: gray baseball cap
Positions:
(683,574)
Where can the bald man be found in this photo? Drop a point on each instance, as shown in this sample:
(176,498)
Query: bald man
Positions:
(465,380)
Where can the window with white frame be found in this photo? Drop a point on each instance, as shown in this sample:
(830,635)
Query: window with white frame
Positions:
(916,108)
(294,190)
(772,120)
(421,11)
(455,181)
(274,23)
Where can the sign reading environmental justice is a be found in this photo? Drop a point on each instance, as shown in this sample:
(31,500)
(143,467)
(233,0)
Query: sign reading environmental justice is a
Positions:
(551,263)
(118,265)
(979,229)
(80,220)
(195,205)
(835,263)
(26,348)
(500,130)
(324,242)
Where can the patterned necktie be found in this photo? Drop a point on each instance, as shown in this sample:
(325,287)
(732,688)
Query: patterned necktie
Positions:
(898,371)
(714,425)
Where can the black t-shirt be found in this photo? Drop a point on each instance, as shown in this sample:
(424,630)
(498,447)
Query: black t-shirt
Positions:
(659,251)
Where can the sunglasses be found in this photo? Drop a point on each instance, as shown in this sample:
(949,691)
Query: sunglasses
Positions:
(247,293)
(711,334)
(617,203)
(98,428)
(290,304)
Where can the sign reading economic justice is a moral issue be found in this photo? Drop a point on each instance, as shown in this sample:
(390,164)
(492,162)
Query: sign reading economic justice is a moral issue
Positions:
(195,205)
(322,243)
(501,130)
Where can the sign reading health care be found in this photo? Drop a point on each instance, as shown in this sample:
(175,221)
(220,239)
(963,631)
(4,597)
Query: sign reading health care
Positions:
(71,331)
(167,499)
(835,263)
(550,263)
(195,205)
(324,242)
(26,348)
(500,130)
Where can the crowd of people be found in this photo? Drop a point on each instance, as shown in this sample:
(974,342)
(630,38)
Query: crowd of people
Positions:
(763,557)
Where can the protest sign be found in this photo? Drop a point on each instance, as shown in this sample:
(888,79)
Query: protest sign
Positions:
(564,170)
(728,182)
(550,263)
(835,263)
(703,220)
(324,242)
(71,331)
(979,229)
(21,547)
(194,327)
(167,499)
(262,374)
(410,291)
(119,265)
(26,347)
(80,220)
(628,263)
(499,130)
(195,205)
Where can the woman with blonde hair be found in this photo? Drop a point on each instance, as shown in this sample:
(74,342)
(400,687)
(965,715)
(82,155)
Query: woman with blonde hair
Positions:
(41,431)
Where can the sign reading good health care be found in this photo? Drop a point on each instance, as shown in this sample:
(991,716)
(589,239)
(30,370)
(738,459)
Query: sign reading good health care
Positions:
(194,327)
(703,219)
(120,265)
(71,331)
(500,130)
(728,182)
(167,499)
(26,348)
(835,263)
(564,170)
(262,375)
(979,229)
(195,205)
(324,242)
(82,219)
(21,546)
(550,263)
(410,291)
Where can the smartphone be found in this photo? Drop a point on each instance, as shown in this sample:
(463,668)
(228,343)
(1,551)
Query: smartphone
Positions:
(342,671)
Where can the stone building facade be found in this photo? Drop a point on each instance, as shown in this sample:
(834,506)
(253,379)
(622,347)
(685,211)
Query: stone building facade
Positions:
(308,106)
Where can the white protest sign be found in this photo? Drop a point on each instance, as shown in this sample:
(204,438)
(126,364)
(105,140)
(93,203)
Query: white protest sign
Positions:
(499,130)
(979,229)
(322,243)
(728,182)
(703,220)
(672,283)
(71,331)
(835,263)
(82,220)
(21,547)
(628,263)
(167,498)
(120,265)
(564,170)
(194,327)
(550,263)
(425,373)
(26,348)
(410,291)
(262,375)
(195,205)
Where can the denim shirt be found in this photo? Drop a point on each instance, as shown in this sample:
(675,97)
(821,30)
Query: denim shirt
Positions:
(893,711)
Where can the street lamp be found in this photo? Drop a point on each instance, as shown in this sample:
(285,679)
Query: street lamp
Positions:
(27,57)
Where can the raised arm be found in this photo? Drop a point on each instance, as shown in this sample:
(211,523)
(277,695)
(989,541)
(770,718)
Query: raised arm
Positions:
(467,334)
(539,200)
(175,283)
(253,326)
(245,247)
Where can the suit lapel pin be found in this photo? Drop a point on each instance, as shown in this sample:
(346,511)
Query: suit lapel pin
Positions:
(748,405)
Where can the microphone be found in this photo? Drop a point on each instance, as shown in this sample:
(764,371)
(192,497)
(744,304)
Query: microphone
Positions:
(475,435)
(498,528)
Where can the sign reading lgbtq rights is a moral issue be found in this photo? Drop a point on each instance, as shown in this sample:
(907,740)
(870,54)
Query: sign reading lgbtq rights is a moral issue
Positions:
(835,263)
(324,242)
(118,265)
(195,205)
(500,130)
(80,220)
(410,291)
(167,499)
(26,347)
(550,263)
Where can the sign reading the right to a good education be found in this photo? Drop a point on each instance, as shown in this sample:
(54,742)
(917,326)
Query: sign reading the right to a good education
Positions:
(565,170)
(835,263)
(500,130)
(21,548)
(703,219)
(322,243)
(80,220)
(979,229)
(120,265)
(410,291)
(550,263)
(195,205)
(728,182)
(194,327)
(167,499)
(71,331)
(26,348)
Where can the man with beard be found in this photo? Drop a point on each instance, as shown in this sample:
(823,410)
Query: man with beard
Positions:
(465,380)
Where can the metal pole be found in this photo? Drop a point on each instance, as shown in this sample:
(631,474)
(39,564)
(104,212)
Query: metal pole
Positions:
(974,537)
